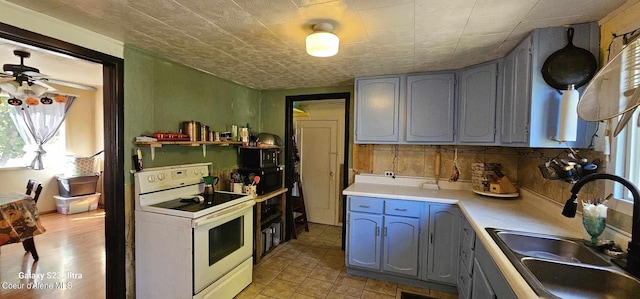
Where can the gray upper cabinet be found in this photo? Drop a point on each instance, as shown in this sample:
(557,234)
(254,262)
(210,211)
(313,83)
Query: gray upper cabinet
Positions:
(516,94)
(377,110)
(477,104)
(430,108)
(530,107)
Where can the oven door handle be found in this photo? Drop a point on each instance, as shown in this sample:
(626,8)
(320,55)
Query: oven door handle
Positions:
(216,216)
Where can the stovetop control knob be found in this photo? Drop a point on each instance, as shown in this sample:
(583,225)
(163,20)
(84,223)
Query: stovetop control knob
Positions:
(161,176)
(151,178)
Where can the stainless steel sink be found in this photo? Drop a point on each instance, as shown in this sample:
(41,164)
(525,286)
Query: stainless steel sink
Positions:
(576,281)
(560,267)
(550,247)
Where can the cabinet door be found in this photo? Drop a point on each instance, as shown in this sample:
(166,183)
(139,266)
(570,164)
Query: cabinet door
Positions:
(377,109)
(480,286)
(444,242)
(521,100)
(477,104)
(430,107)
(400,238)
(364,238)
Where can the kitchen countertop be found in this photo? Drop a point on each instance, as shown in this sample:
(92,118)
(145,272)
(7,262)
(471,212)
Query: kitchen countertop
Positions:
(528,212)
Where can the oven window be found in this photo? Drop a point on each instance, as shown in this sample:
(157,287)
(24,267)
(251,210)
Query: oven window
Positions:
(225,239)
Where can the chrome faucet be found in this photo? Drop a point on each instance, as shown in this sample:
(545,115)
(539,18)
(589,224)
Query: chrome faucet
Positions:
(633,251)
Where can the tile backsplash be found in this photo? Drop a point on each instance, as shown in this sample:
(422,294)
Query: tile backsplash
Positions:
(520,165)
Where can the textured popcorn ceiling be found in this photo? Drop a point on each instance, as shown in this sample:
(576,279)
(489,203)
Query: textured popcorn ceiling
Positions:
(260,43)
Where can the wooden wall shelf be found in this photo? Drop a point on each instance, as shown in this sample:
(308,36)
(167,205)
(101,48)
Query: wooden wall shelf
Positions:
(156,144)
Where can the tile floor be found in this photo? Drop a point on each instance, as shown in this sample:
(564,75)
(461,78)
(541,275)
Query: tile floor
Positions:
(312,266)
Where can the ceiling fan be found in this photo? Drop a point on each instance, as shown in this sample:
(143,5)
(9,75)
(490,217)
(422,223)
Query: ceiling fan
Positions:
(18,78)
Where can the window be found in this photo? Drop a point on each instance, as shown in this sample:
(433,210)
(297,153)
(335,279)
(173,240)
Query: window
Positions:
(628,144)
(16,152)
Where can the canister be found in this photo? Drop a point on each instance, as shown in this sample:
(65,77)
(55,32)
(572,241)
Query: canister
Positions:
(204,133)
(192,128)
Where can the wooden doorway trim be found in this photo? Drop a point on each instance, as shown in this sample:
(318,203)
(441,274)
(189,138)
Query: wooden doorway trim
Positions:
(113,102)
(289,144)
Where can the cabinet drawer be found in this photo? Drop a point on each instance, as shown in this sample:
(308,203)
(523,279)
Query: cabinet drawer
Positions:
(365,204)
(464,283)
(467,235)
(403,208)
(466,258)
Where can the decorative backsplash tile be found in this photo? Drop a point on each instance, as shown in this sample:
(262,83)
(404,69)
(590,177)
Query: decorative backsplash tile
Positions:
(520,165)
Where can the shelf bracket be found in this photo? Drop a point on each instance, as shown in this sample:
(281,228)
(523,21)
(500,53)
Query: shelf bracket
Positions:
(153,153)
(204,150)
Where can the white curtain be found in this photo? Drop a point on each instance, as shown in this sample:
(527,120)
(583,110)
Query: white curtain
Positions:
(40,122)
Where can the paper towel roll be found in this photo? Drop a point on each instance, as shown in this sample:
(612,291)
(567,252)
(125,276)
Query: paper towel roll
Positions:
(568,126)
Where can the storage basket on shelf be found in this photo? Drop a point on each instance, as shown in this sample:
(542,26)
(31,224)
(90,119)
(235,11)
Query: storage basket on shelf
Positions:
(81,166)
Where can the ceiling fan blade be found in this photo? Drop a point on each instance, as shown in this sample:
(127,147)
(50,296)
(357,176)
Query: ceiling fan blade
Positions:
(34,74)
(71,84)
(45,85)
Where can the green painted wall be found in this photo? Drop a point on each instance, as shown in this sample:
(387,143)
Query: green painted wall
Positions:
(159,95)
(273,104)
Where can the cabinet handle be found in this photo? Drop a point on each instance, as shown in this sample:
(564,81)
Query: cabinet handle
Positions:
(430,238)
(364,207)
(385,231)
(401,210)
(377,230)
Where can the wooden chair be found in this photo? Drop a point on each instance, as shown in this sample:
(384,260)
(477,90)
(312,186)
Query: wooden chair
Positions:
(36,187)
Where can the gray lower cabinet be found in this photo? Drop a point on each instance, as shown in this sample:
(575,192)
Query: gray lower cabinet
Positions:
(488,281)
(364,240)
(478,275)
(444,240)
(403,238)
(480,286)
(384,234)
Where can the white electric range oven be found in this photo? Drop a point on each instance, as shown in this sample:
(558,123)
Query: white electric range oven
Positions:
(186,247)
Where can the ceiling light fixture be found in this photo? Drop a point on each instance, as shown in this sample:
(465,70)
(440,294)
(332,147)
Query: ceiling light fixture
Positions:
(322,43)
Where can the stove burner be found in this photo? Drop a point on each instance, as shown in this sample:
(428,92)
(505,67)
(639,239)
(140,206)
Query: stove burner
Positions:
(192,206)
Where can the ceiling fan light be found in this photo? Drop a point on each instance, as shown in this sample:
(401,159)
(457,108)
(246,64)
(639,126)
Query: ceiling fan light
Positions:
(38,90)
(10,87)
(322,43)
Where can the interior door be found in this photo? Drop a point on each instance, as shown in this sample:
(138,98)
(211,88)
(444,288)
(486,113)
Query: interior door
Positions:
(318,158)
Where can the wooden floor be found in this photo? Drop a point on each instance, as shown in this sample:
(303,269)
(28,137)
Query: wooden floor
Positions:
(71,264)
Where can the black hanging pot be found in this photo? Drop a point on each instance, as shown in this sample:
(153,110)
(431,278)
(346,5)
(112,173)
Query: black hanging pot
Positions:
(569,65)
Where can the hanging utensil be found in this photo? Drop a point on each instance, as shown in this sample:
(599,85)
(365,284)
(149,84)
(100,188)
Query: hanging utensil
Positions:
(569,65)
(436,165)
(455,173)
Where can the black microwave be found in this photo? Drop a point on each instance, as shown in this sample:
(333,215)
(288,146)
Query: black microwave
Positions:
(256,157)
(270,178)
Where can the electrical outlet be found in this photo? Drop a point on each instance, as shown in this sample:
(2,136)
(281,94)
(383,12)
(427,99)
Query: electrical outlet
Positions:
(389,173)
